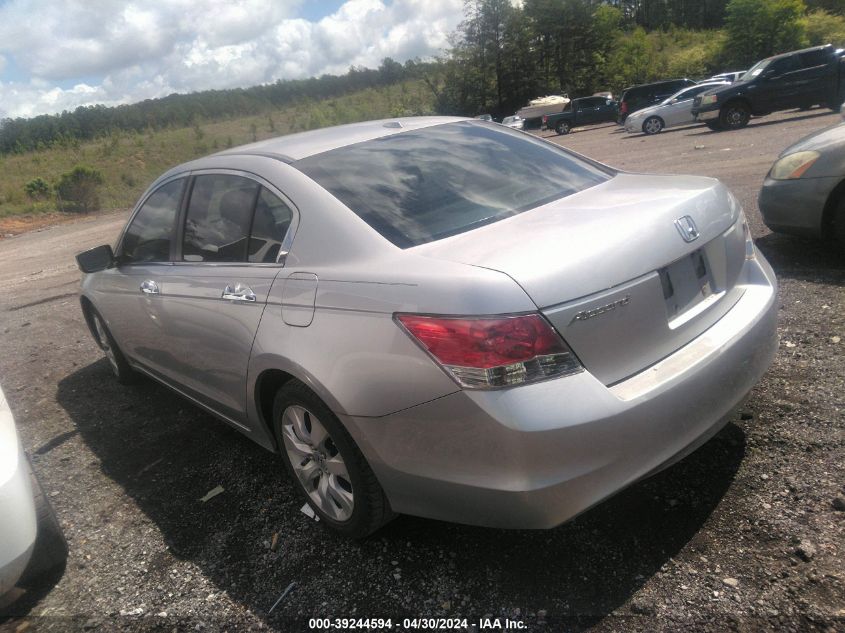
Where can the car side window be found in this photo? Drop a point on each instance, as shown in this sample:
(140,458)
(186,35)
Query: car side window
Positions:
(782,66)
(811,59)
(148,237)
(218,218)
(269,227)
(692,92)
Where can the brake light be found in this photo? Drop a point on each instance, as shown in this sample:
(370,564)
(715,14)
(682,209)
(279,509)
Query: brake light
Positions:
(485,352)
(623,107)
(545,119)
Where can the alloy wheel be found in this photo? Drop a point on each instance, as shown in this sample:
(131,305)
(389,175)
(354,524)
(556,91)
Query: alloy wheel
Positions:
(653,125)
(736,117)
(317,463)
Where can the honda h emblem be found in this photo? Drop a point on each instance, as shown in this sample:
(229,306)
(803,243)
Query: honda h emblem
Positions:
(687,229)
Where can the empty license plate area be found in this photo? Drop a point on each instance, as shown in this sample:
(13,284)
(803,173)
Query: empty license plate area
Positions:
(686,283)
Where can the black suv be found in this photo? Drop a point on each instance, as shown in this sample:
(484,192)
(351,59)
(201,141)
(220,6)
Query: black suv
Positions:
(800,79)
(639,97)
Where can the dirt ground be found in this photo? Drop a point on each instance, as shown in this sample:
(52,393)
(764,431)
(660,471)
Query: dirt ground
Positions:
(742,535)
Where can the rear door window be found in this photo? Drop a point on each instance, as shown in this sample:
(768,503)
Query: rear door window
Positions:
(217,222)
(149,236)
(811,59)
(269,227)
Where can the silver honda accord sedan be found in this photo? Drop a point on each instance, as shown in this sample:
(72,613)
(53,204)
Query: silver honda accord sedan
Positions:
(439,316)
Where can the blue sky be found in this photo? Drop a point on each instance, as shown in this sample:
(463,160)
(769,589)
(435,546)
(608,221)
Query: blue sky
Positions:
(60,54)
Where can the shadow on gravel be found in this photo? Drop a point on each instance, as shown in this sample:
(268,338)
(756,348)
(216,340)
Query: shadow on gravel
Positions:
(19,602)
(166,454)
(804,260)
(756,122)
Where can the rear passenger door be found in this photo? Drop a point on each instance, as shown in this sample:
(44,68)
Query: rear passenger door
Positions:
(232,244)
(816,81)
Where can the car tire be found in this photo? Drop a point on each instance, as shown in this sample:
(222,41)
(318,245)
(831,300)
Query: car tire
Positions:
(563,127)
(117,361)
(734,116)
(714,125)
(326,466)
(653,125)
(49,554)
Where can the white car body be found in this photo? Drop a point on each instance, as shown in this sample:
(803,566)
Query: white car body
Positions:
(516,122)
(17,507)
(673,111)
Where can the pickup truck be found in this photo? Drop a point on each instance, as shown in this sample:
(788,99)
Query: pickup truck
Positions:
(799,79)
(584,111)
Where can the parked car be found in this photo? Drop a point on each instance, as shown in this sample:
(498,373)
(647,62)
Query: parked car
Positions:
(485,117)
(31,540)
(727,77)
(804,191)
(584,111)
(675,110)
(798,79)
(645,95)
(415,330)
(516,122)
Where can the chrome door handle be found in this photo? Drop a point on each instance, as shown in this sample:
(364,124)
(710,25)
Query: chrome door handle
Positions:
(149,287)
(239,292)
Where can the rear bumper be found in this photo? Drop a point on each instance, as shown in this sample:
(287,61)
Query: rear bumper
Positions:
(797,205)
(633,126)
(17,524)
(536,456)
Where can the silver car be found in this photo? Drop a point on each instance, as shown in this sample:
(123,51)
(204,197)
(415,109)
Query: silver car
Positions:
(804,191)
(673,111)
(440,316)
(516,122)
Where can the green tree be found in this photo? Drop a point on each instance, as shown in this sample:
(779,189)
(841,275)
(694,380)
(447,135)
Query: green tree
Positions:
(822,27)
(760,28)
(632,59)
(79,189)
(37,189)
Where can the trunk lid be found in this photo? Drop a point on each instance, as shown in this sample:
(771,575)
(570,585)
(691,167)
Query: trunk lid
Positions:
(612,271)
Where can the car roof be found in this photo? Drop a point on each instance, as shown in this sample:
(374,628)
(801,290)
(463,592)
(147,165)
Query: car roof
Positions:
(303,144)
(657,83)
(803,50)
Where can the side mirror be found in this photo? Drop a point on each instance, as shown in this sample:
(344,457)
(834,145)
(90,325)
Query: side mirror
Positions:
(95,259)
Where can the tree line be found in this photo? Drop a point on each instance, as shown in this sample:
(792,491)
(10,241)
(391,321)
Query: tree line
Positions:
(501,56)
(504,54)
(184,110)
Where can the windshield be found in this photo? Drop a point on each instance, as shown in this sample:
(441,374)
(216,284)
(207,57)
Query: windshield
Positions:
(756,69)
(423,185)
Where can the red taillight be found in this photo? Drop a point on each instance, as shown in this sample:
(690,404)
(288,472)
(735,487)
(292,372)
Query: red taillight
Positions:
(623,107)
(493,352)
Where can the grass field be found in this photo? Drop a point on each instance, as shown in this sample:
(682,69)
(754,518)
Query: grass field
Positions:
(129,162)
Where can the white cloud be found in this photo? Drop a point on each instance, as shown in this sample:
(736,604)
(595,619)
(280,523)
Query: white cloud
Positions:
(118,52)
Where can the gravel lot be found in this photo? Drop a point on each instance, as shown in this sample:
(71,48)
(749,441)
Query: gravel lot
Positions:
(742,535)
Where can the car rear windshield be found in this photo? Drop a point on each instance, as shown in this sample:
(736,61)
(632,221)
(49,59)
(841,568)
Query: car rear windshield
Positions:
(422,185)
